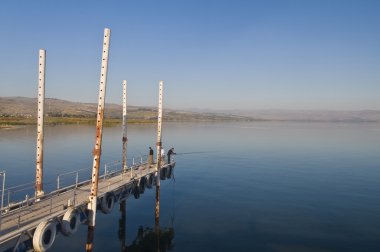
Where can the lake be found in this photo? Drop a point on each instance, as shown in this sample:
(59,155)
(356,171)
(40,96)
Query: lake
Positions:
(257,186)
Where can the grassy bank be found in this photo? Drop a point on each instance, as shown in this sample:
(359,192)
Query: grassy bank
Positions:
(7,122)
(134,118)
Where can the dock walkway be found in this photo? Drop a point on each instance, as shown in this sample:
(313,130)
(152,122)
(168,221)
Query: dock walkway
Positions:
(19,221)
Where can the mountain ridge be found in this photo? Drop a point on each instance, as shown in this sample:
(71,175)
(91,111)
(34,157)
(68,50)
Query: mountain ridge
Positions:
(26,107)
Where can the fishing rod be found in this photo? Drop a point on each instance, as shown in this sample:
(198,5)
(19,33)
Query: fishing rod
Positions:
(194,152)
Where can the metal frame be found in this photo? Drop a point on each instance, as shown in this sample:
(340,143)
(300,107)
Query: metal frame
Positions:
(2,173)
(40,123)
(99,128)
(125,139)
(159,145)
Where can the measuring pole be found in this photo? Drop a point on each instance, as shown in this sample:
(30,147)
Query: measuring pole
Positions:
(125,139)
(40,123)
(98,143)
(159,145)
(2,191)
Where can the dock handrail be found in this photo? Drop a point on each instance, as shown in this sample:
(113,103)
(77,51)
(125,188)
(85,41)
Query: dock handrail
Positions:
(2,173)
(22,217)
(111,168)
(59,176)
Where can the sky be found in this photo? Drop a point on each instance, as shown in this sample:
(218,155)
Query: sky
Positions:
(211,54)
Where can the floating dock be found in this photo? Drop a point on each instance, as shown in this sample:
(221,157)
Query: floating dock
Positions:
(64,209)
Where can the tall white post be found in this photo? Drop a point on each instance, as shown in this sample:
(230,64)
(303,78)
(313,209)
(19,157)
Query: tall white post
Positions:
(125,139)
(40,123)
(98,143)
(159,145)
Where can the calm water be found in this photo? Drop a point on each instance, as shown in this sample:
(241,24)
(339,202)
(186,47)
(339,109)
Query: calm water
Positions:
(240,187)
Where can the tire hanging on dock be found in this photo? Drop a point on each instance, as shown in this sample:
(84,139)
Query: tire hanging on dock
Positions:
(70,222)
(149,183)
(163,173)
(136,191)
(169,172)
(107,203)
(127,190)
(142,184)
(44,236)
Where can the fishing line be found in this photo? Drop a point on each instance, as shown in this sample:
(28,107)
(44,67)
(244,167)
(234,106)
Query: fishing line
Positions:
(194,152)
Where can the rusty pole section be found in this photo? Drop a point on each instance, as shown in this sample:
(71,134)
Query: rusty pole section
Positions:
(98,143)
(125,139)
(40,122)
(159,144)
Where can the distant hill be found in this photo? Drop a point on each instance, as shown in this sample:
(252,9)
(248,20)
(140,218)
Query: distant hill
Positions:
(312,115)
(23,107)
(27,108)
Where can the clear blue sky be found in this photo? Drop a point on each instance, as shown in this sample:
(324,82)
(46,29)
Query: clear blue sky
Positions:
(215,54)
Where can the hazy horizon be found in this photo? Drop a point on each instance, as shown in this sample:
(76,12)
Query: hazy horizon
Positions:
(209,110)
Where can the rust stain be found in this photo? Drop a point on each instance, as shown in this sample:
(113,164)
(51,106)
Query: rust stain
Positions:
(97,152)
(38,187)
(90,238)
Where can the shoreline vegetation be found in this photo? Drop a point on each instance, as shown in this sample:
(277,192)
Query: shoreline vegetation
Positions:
(12,122)
(7,122)
(22,111)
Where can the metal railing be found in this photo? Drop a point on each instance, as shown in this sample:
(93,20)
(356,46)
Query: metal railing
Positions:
(16,197)
(68,176)
(48,204)
(2,173)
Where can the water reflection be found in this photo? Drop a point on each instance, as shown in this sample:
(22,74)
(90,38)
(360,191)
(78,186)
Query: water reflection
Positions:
(147,239)
(283,186)
(122,222)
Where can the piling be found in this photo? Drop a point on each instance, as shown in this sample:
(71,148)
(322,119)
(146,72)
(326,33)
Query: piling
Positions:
(125,139)
(40,123)
(159,145)
(98,142)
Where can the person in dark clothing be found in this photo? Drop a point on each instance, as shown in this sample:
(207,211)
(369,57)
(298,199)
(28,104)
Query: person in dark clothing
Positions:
(150,159)
(170,152)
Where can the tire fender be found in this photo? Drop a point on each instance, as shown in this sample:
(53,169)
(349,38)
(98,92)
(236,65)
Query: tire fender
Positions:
(70,222)
(107,203)
(44,236)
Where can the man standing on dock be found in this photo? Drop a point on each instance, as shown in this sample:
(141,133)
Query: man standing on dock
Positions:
(150,158)
(170,152)
(162,155)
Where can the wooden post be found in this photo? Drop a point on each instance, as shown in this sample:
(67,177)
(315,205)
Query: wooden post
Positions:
(98,143)
(125,139)
(159,145)
(40,123)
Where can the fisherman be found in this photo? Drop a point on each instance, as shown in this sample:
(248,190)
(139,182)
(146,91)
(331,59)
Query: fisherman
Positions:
(150,158)
(162,155)
(170,152)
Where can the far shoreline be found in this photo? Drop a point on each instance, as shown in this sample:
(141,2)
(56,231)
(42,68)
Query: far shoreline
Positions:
(7,123)
(14,122)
